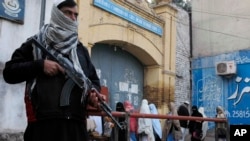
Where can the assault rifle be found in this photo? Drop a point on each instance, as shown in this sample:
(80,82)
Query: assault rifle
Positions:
(75,78)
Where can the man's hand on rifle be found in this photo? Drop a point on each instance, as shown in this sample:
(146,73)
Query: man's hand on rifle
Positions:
(52,68)
(94,99)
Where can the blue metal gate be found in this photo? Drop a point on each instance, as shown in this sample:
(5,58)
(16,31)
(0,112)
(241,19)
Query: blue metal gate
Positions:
(121,72)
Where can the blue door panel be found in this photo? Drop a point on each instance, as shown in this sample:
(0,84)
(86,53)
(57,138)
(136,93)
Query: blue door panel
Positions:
(121,72)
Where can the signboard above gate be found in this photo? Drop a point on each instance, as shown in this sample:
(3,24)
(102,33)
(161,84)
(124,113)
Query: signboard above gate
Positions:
(12,10)
(128,15)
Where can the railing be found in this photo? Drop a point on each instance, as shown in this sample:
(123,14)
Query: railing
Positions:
(158,116)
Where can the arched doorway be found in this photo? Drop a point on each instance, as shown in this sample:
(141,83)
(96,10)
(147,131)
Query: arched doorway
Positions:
(120,71)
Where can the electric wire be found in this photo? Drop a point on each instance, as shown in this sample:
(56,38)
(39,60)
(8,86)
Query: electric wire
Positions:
(211,13)
(209,30)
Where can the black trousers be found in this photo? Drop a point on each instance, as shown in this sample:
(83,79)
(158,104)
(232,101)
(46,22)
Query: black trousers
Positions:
(56,130)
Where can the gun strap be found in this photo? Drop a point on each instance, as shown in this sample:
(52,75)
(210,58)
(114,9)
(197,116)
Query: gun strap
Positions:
(66,91)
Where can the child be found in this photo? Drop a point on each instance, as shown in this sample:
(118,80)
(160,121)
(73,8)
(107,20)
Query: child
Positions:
(108,125)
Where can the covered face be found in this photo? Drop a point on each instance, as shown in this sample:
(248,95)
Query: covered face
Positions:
(128,106)
(68,8)
(120,107)
(194,108)
(219,109)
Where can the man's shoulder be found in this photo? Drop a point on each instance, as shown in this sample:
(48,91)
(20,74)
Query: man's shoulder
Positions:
(182,107)
(81,46)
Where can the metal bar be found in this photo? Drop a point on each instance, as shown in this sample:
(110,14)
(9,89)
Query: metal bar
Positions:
(159,116)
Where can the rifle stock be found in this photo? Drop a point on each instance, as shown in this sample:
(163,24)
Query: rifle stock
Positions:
(80,80)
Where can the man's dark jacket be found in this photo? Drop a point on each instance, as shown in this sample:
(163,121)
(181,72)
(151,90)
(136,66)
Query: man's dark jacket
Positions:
(45,96)
(183,111)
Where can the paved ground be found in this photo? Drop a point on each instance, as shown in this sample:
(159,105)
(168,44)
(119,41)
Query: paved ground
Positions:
(209,136)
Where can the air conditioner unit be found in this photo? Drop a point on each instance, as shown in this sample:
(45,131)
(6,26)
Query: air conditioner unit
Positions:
(226,68)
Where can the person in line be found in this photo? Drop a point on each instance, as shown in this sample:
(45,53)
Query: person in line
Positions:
(156,123)
(220,127)
(183,111)
(121,132)
(108,127)
(171,126)
(204,123)
(46,79)
(133,126)
(195,126)
(145,127)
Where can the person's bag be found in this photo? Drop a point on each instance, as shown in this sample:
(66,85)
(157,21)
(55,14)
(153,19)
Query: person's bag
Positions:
(197,134)
(177,134)
(222,132)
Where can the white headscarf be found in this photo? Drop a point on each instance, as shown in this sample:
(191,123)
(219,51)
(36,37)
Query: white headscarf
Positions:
(204,123)
(220,112)
(145,124)
(155,122)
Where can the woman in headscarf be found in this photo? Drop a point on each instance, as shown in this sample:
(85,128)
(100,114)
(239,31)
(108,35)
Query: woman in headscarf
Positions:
(121,133)
(145,128)
(133,121)
(204,124)
(220,127)
(195,126)
(171,125)
(156,123)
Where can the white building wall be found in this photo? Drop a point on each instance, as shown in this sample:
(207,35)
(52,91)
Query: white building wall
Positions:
(220,26)
(12,35)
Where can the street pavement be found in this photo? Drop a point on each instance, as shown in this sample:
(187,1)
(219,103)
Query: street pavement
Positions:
(209,136)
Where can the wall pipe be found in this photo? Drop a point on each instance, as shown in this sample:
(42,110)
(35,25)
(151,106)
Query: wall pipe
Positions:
(42,15)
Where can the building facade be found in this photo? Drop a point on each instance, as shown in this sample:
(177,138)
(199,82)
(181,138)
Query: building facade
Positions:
(132,44)
(131,28)
(220,58)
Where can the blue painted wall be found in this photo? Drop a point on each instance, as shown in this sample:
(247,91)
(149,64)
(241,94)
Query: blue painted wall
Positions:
(210,90)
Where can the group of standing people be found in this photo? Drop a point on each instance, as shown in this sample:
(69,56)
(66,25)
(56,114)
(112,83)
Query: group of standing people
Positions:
(148,129)
(180,130)
(194,130)
(127,106)
(141,129)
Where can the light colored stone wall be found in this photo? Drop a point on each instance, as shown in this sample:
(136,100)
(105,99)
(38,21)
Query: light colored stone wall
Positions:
(220,26)
(12,110)
(12,35)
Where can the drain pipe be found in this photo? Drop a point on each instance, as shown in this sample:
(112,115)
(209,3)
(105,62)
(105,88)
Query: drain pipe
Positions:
(42,15)
(191,54)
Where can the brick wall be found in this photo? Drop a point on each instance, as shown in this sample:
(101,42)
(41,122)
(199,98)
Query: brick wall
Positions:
(183,85)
